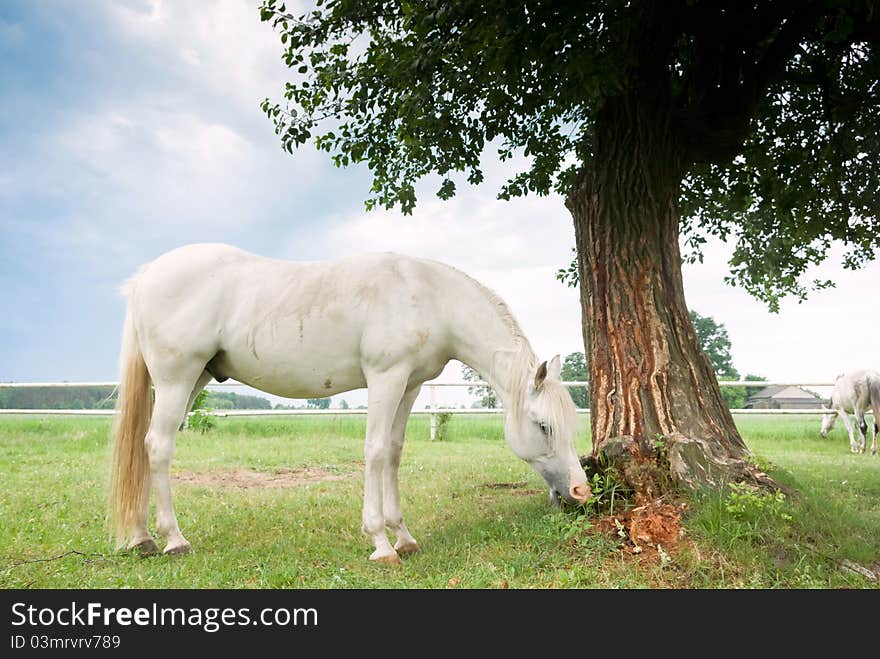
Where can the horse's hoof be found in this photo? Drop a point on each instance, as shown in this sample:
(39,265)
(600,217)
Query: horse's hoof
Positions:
(407,549)
(145,548)
(178,550)
(390,559)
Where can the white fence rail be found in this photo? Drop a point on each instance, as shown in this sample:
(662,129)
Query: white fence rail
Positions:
(433,410)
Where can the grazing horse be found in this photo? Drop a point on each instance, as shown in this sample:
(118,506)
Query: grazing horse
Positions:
(313,329)
(854,393)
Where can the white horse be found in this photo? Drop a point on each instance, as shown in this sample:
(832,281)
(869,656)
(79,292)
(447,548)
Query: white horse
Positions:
(854,393)
(307,329)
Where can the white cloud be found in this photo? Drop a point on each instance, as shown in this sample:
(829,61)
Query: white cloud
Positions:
(147,159)
(221,45)
(128,143)
(142,175)
(469,231)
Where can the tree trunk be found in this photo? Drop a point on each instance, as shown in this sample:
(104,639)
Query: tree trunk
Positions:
(653,393)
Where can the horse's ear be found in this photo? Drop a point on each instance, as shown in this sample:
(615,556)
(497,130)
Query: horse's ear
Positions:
(541,375)
(554,369)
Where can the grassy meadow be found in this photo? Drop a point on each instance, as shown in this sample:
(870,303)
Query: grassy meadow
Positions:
(276,503)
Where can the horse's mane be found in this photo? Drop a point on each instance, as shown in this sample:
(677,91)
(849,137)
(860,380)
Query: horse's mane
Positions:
(559,409)
(522,367)
(500,305)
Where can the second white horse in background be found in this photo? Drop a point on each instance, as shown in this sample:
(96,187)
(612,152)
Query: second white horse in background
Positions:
(854,393)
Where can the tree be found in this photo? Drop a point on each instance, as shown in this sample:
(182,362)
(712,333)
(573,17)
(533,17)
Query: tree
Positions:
(319,403)
(574,369)
(715,343)
(486,395)
(658,122)
(343,404)
(201,401)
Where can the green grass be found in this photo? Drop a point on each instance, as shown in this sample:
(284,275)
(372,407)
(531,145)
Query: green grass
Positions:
(53,475)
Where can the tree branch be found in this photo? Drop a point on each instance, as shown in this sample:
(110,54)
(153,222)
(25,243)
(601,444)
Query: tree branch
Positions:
(781,50)
(715,127)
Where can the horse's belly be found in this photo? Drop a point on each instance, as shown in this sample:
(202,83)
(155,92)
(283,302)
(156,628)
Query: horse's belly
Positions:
(303,359)
(281,376)
(301,386)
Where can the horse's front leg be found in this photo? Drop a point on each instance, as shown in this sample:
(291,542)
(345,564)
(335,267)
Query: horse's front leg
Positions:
(384,393)
(405,544)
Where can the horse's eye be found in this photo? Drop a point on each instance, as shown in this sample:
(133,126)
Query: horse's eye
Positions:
(544,428)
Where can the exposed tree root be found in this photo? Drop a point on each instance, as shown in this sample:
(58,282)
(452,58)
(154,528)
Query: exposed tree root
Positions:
(675,464)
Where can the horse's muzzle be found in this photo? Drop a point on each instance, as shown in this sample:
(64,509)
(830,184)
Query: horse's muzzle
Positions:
(577,496)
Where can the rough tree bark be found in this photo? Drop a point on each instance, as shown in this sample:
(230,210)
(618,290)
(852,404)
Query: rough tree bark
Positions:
(649,378)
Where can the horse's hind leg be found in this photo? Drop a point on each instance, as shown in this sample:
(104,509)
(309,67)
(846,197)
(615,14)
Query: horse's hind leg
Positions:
(405,544)
(875,409)
(141,541)
(384,392)
(168,412)
(863,432)
(204,379)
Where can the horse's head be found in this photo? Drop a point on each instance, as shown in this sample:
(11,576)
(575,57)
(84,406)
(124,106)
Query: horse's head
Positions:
(828,422)
(541,429)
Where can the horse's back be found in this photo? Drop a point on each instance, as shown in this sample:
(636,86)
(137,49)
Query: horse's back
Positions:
(188,270)
(300,328)
(852,390)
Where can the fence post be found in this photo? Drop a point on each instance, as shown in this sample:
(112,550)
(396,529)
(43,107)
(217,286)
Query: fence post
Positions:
(432,402)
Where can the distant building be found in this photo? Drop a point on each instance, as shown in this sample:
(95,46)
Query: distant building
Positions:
(785,398)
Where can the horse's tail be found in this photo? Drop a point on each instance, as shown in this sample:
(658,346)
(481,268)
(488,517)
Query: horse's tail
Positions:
(130,471)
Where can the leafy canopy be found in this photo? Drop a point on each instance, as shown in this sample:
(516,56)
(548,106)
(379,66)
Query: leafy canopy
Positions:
(774,107)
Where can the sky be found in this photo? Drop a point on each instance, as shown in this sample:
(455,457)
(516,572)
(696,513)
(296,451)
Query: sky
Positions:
(130,128)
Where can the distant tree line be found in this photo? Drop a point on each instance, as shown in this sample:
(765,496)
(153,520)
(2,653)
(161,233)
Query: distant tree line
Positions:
(58,398)
(227,400)
(317,404)
(98,398)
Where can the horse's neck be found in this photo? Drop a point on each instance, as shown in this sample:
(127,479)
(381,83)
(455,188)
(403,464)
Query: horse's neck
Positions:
(493,346)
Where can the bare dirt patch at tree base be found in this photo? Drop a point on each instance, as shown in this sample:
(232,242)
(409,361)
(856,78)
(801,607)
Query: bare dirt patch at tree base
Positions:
(245,479)
(648,531)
